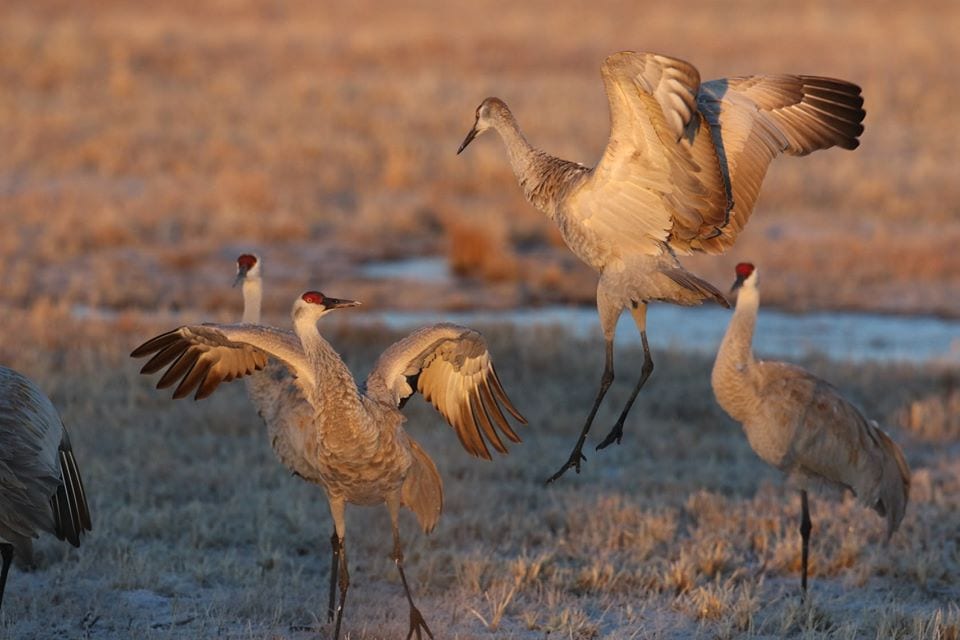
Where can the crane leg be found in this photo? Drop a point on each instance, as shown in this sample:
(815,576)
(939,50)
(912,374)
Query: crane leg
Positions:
(639,313)
(576,456)
(334,566)
(6,550)
(337,506)
(417,623)
(344,584)
(805,527)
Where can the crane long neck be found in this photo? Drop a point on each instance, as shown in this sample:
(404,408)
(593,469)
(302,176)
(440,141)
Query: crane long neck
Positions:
(545,179)
(732,376)
(519,151)
(252,299)
(737,345)
(337,396)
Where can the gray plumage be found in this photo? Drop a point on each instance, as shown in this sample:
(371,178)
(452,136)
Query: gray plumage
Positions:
(355,443)
(680,174)
(40,485)
(802,425)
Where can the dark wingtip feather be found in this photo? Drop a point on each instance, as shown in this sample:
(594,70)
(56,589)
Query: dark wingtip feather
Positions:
(209,384)
(481,418)
(70,509)
(194,377)
(155,344)
(181,367)
(163,357)
(493,409)
(502,395)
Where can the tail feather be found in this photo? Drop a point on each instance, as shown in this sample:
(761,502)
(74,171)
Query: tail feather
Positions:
(689,281)
(894,482)
(422,490)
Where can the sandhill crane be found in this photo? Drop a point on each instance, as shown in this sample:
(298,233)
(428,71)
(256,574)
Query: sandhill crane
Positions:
(681,172)
(40,485)
(801,424)
(355,440)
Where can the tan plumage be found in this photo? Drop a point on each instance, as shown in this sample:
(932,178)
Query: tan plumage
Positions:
(681,173)
(357,444)
(801,424)
(40,484)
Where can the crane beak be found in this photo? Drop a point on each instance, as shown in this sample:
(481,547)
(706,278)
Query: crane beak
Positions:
(737,283)
(241,276)
(468,139)
(336,303)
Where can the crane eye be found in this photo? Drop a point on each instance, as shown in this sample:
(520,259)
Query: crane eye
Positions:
(313,297)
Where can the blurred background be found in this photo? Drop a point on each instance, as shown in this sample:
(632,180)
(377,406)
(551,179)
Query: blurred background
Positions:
(144,149)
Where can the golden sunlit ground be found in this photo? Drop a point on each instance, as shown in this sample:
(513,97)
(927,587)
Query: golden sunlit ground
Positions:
(144,148)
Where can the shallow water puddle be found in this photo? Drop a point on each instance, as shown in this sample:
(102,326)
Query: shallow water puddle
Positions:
(838,336)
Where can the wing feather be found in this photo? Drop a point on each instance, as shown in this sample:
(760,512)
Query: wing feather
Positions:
(69,503)
(502,399)
(493,410)
(165,356)
(454,372)
(202,356)
(658,180)
(752,119)
(481,418)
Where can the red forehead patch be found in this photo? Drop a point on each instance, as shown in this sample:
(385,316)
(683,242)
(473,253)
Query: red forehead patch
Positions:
(744,269)
(313,297)
(247,261)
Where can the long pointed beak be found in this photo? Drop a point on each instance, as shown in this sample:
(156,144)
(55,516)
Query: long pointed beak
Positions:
(737,284)
(241,276)
(468,139)
(336,303)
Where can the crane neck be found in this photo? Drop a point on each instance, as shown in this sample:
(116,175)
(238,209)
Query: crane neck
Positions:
(737,345)
(519,151)
(335,385)
(544,178)
(252,299)
(731,378)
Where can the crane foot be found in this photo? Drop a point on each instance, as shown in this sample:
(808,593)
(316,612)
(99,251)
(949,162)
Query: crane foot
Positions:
(416,624)
(615,435)
(576,457)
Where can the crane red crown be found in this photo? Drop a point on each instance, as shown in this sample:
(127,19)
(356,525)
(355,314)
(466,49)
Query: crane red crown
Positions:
(247,261)
(744,269)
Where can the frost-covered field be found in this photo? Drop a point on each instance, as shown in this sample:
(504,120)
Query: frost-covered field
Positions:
(679,532)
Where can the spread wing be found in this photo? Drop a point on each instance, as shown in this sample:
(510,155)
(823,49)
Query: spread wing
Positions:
(657,181)
(754,118)
(451,367)
(203,356)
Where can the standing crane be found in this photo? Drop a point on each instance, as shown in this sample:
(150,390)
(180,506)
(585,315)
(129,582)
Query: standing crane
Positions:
(356,440)
(801,424)
(40,485)
(680,174)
